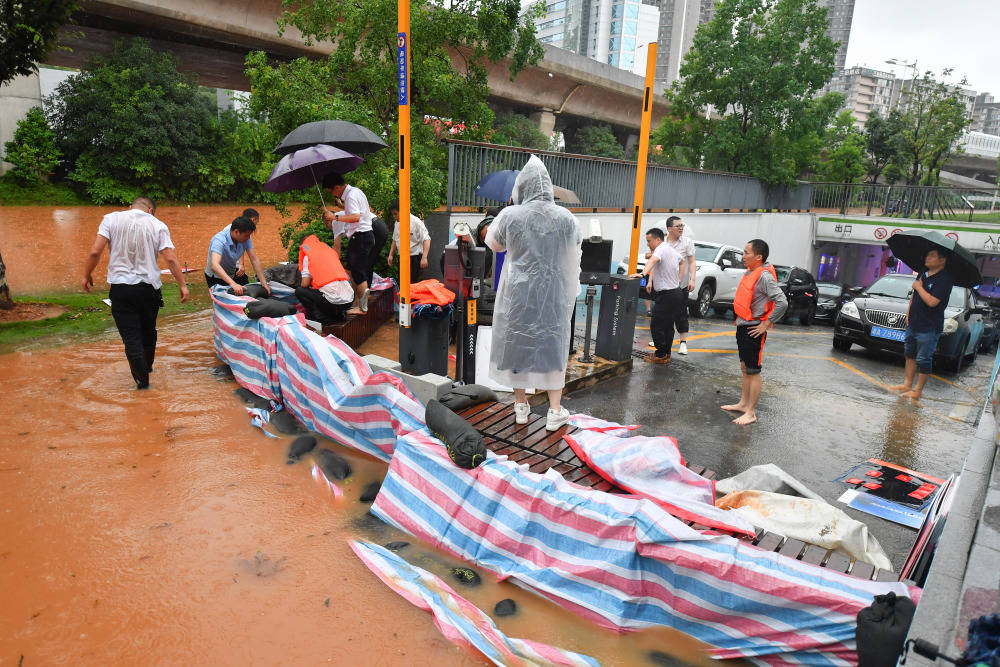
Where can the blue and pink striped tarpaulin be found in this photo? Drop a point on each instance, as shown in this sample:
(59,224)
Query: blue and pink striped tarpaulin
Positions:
(622,561)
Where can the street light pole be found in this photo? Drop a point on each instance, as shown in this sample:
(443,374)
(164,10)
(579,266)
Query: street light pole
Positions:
(903,63)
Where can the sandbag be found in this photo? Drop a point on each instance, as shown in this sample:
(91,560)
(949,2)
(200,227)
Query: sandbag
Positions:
(286,274)
(301,446)
(767,477)
(882,629)
(465,444)
(253,290)
(468,395)
(286,423)
(268,308)
(333,465)
(370,491)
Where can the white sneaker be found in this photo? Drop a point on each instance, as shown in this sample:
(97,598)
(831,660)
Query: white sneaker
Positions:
(521,412)
(363,302)
(683,348)
(556,418)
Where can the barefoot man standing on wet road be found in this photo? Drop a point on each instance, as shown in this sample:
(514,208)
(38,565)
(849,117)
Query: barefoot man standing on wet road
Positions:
(134,238)
(924,321)
(759,301)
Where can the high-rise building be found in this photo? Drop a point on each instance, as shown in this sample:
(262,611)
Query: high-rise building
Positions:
(611,31)
(865,90)
(902,90)
(678,21)
(986,115)
(839,14)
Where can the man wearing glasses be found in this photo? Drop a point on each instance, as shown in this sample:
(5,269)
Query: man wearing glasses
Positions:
(685,248)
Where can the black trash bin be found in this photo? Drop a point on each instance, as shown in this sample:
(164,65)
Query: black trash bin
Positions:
(423,346)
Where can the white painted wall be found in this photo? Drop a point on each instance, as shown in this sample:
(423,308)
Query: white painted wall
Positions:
(790,235)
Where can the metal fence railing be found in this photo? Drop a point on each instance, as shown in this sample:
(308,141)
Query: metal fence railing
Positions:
(907,201)
(607,183)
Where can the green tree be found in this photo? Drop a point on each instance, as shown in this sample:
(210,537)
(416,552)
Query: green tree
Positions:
(882,142)
(33,149)
(358,82)
(129,123)
(596,140)
(933,118)
(746,98)
(844,161)
(28,31)
(514,129)
(27,34)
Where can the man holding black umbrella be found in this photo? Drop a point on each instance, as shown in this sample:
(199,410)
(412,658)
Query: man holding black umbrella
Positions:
(925,319)
(354,222)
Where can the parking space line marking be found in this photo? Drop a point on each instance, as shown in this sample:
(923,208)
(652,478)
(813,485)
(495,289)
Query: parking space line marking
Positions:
(953,384)
(858,372)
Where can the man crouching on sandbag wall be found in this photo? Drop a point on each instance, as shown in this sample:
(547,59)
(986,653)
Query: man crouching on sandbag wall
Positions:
(538,287)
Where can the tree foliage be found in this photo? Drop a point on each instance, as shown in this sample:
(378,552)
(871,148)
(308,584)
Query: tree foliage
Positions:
(934,116)
(357,82)
(882,142)
(755,68)
(130,123)
(514,129)
(596,140)
(33,150)
(28,31)
(844,158)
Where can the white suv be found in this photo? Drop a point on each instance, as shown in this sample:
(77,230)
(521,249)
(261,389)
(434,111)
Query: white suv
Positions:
(718,270)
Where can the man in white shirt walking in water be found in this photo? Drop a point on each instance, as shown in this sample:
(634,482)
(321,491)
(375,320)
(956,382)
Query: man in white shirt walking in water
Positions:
(662,271)
(134,238)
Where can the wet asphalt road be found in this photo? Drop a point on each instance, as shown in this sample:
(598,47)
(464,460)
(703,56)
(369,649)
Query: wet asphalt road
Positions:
(821,411)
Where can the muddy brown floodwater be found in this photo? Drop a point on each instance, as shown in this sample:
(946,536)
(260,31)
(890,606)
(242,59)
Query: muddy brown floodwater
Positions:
(44,247)
(161,527)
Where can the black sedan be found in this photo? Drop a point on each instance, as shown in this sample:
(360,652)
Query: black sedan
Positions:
(800,289)
(876,319)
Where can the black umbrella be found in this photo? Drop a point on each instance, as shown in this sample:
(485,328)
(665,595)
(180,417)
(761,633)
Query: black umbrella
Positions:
(912,246)
(341,134)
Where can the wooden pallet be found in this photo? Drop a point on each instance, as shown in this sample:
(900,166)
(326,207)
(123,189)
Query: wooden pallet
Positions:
(356,329)
(540,450)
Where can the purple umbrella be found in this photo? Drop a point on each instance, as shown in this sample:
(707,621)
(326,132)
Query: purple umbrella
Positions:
(308,166)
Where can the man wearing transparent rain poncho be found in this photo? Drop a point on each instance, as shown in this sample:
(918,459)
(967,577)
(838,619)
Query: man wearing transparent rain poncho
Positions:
(537,293)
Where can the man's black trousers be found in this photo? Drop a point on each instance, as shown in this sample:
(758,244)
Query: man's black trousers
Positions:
(318,308)
(666,304)
(134,308)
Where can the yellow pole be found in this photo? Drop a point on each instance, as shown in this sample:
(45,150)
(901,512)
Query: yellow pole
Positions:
(403,81)
(640,168)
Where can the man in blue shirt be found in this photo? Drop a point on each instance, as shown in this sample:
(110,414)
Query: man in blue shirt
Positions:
(925,319)
(225,251)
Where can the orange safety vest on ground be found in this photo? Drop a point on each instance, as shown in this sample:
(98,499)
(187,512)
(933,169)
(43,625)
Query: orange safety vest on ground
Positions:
(744,293)
(430,291)
(324,263)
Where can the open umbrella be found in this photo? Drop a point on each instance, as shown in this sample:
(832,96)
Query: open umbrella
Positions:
(341,134)
(500,184)
(912,246)
(308,166)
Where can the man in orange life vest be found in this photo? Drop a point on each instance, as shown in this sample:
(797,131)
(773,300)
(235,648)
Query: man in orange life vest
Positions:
(759,301)
(325,292)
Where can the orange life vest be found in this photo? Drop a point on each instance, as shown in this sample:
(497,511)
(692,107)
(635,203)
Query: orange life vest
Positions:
(744,293)
(431,291)
(324,264)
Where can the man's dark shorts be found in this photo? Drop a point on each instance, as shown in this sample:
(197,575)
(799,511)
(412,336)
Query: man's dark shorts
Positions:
(358,250)
(751,349)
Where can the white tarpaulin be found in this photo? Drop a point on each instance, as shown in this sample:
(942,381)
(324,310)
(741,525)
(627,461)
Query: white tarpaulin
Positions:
(812,521)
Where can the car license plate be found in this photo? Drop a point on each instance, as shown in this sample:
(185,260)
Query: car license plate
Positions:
(888,334)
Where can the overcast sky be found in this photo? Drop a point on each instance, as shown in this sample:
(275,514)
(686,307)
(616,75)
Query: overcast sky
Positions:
(961,34)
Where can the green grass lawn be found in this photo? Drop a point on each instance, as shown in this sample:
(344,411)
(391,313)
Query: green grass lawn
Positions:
(88,315)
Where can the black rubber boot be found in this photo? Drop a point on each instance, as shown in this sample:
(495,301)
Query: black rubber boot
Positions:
(149,353)
(139,372)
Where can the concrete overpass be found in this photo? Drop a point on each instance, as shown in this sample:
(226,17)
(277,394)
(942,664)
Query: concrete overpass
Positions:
(211,38)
